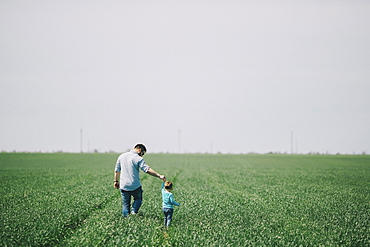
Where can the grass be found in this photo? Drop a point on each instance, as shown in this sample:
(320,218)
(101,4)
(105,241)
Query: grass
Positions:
(226,200)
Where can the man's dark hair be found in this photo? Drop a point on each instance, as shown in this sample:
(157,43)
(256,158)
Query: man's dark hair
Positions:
(140,146)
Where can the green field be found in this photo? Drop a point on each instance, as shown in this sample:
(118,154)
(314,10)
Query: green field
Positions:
(226,200)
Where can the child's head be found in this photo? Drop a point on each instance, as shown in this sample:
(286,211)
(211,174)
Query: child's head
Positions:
(168,185)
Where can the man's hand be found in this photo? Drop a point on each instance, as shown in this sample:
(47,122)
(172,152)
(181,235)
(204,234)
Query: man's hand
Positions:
(116,179)
(162,177)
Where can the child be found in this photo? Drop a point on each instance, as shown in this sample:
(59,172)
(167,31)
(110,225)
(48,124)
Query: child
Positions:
(168,201)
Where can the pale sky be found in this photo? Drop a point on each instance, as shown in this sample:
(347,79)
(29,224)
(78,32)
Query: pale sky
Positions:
(185,76)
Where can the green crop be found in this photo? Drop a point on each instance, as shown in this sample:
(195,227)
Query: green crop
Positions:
(226,200)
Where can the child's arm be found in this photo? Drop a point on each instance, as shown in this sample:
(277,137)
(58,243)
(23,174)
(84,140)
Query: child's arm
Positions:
(164,180)
(176,203)
(172,200)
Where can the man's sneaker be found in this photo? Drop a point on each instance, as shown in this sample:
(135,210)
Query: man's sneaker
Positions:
(137,214)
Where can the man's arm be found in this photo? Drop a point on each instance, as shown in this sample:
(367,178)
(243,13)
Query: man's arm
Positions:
(155,174)
(116,179)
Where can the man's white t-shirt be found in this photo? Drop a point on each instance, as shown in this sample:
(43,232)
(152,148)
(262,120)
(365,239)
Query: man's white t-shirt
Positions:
(128,165)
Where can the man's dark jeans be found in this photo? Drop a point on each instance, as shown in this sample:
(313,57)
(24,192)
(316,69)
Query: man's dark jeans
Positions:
(126,201)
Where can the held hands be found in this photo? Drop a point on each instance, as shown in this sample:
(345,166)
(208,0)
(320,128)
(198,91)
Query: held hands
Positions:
(162,177)
(116,185)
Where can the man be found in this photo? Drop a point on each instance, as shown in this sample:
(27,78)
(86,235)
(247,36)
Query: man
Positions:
(127,178)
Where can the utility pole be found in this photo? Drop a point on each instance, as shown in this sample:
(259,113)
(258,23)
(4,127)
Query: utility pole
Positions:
(291,142)
(179,140)
(81,140)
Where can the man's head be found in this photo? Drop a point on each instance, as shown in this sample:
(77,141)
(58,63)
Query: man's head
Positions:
(141,149)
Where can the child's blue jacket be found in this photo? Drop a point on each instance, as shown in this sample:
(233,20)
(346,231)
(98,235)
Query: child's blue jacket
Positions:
(168,200)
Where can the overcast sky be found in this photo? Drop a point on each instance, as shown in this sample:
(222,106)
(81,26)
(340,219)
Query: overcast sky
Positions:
(185,76)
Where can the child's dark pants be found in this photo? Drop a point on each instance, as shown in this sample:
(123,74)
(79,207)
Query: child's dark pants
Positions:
(168,212)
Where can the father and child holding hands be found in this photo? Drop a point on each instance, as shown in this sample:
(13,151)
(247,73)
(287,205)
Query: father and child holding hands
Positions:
(127,179)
